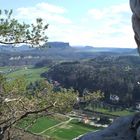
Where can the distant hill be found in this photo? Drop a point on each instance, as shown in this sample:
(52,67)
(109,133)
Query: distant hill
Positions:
(58,44)
(117,75)
(58,51)
(11,48)
(53,46)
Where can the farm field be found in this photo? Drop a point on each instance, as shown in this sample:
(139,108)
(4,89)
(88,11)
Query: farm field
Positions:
(57,129)
(119,112)
(31,74)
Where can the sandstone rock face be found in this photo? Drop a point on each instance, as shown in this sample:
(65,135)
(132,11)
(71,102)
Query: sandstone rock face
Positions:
(135,7)
(138,133)
(123,128)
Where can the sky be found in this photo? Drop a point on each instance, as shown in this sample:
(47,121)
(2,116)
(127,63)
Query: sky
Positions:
(98,23)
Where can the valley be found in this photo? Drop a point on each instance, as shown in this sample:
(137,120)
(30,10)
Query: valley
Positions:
(107,72)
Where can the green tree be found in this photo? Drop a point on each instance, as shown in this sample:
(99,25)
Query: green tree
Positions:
(13,32)
(2,80)
(93,96)
(13,104)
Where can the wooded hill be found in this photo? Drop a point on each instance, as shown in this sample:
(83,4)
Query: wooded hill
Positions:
(112,75)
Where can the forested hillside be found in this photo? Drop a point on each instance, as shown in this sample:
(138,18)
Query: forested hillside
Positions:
(112,75)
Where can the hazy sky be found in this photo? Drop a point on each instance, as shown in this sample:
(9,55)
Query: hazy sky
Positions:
(103,23)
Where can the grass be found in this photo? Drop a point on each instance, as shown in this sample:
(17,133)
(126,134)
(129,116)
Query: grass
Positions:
(57,129)
(42,124)
(107,111)
(69,131)
(31,74)
(39,125)
(25,122)
(4,68)
(118,113)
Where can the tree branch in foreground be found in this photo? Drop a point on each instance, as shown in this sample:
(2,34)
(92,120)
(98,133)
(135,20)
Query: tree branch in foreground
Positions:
(12,122)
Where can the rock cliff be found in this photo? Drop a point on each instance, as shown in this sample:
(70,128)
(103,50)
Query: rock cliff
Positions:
(135,7)
(123,128)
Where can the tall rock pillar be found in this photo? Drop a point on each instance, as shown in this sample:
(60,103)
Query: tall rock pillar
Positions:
(135,7)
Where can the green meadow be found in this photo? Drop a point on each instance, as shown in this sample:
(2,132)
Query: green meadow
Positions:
(31,74)
(57,129)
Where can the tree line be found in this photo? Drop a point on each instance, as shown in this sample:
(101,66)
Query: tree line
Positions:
(112,75)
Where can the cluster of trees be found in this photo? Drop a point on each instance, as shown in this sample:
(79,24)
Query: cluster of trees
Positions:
(14,32)
(45,63)
(19,58)
(15,101)
(116,75)
(18,100)
(53,54)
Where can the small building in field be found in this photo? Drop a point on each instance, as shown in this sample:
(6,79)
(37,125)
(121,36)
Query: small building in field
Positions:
(114,98)
(137,105)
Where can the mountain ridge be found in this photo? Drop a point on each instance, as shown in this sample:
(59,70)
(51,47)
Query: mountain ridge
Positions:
(66,45)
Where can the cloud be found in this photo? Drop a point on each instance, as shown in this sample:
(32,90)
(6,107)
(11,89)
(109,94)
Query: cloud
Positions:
(106,27)
(113,25)
(48,12)
(113,15)
(96,14)
(51,8)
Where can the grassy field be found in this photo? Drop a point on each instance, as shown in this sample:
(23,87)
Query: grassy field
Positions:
(39,125)
(56,128)
(4,68)
(118,113)
(42,124)
(31,74)
(107,111)
(69,131)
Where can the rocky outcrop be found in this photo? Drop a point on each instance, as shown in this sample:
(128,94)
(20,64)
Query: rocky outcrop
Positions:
(123,128)
(135,7)
(58,44)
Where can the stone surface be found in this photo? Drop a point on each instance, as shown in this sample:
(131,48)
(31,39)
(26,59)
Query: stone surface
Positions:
(135,7)
(121,129)
(138,133)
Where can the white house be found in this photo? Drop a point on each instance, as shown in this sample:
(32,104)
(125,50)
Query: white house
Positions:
(114,97)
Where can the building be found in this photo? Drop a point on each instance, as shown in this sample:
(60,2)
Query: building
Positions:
(114,98)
